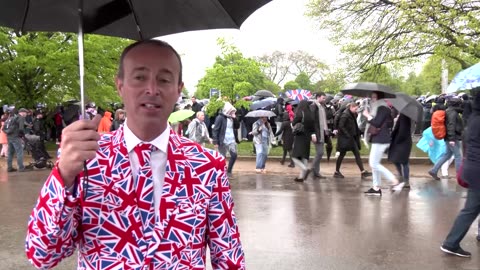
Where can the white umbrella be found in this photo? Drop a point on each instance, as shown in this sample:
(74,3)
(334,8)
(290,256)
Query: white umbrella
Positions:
(260,113)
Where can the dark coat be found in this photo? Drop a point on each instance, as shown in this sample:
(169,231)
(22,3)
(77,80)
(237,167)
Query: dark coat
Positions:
(301,142)
(316,122)
(220,127)
(348,132)
(287,135)
(401,145)
(382,120)
(471,170)
(454,124)
(279,110)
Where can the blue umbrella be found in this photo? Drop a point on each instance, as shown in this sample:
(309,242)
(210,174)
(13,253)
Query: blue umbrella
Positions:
(465,79)
(260,104)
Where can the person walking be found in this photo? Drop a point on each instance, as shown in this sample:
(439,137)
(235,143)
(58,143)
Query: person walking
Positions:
(348,139)
(287,138)
(3,136)
(471,172)
(262,136)
(278,110)
(197,130)
(453,137)
(400,147)
(379,124)
(224,136)
(15,129)
(118,120)
(319,137)
(105,124)
(301,140)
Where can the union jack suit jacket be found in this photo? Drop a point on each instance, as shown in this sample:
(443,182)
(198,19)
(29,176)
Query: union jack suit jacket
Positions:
(196,209)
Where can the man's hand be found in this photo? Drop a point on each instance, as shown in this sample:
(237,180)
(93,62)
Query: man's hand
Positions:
(215,146)
(452,143)
(314,138)
(79,143)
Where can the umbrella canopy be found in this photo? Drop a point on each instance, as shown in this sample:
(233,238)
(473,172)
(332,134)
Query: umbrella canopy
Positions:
(133,19)
(261,104)
(298,94)
(180,115)
(260,113)
(408,106)
(365,89)
(264,93)
(465,80)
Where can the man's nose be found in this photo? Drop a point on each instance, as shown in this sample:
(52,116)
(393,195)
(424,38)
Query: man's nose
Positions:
(152,87)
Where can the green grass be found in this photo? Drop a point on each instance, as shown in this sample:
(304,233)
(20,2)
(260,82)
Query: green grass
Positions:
(245,148)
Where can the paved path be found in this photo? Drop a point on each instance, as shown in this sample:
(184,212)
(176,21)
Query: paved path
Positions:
(326,224)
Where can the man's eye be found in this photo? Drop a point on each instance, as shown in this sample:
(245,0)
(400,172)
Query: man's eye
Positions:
(163,80)
(139,77)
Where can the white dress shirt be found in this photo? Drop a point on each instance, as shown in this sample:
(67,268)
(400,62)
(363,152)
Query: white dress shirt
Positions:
(158,160)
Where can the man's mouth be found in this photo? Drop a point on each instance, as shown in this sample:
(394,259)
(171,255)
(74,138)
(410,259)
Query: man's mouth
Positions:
(150,106)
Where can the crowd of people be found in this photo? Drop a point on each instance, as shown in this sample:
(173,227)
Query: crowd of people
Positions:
(141,164)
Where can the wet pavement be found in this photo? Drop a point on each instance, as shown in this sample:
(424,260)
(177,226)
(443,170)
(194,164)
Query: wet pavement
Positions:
(327,224)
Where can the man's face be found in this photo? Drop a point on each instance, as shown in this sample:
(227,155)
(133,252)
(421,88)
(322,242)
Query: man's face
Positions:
(374,97)
(150,87)
(194,100)
(321,99)
(201,117)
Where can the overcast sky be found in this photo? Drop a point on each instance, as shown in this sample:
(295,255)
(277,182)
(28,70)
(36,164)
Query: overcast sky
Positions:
(279,25)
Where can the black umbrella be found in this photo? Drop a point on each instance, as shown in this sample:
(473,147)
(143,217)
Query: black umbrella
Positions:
(408,106)
(365,89)
(133,19)
(264,93)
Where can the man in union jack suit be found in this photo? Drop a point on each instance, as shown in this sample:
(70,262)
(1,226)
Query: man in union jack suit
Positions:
(145,198)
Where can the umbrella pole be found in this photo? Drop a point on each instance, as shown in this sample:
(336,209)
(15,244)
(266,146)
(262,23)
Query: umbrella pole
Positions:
(81,65)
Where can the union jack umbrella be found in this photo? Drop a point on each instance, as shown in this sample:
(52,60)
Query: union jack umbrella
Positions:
(299,94)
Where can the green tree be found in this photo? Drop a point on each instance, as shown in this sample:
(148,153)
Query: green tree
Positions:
(377,32)
(232,72)
(304,81)
(332,82)
(430,78)
(43,67)
(291,85)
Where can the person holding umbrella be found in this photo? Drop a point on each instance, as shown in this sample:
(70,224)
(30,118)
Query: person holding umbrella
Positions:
(301,140)
(262,135)
(401,146)
(145,183)
(380,122)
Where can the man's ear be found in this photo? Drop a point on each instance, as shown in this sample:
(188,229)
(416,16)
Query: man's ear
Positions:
(119,85)
(180,88)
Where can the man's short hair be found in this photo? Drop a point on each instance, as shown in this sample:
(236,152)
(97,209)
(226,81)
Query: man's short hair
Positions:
(159,43)
(319,94)
(194,97)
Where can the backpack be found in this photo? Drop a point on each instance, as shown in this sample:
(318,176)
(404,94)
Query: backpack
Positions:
(439,128)
(10,125)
